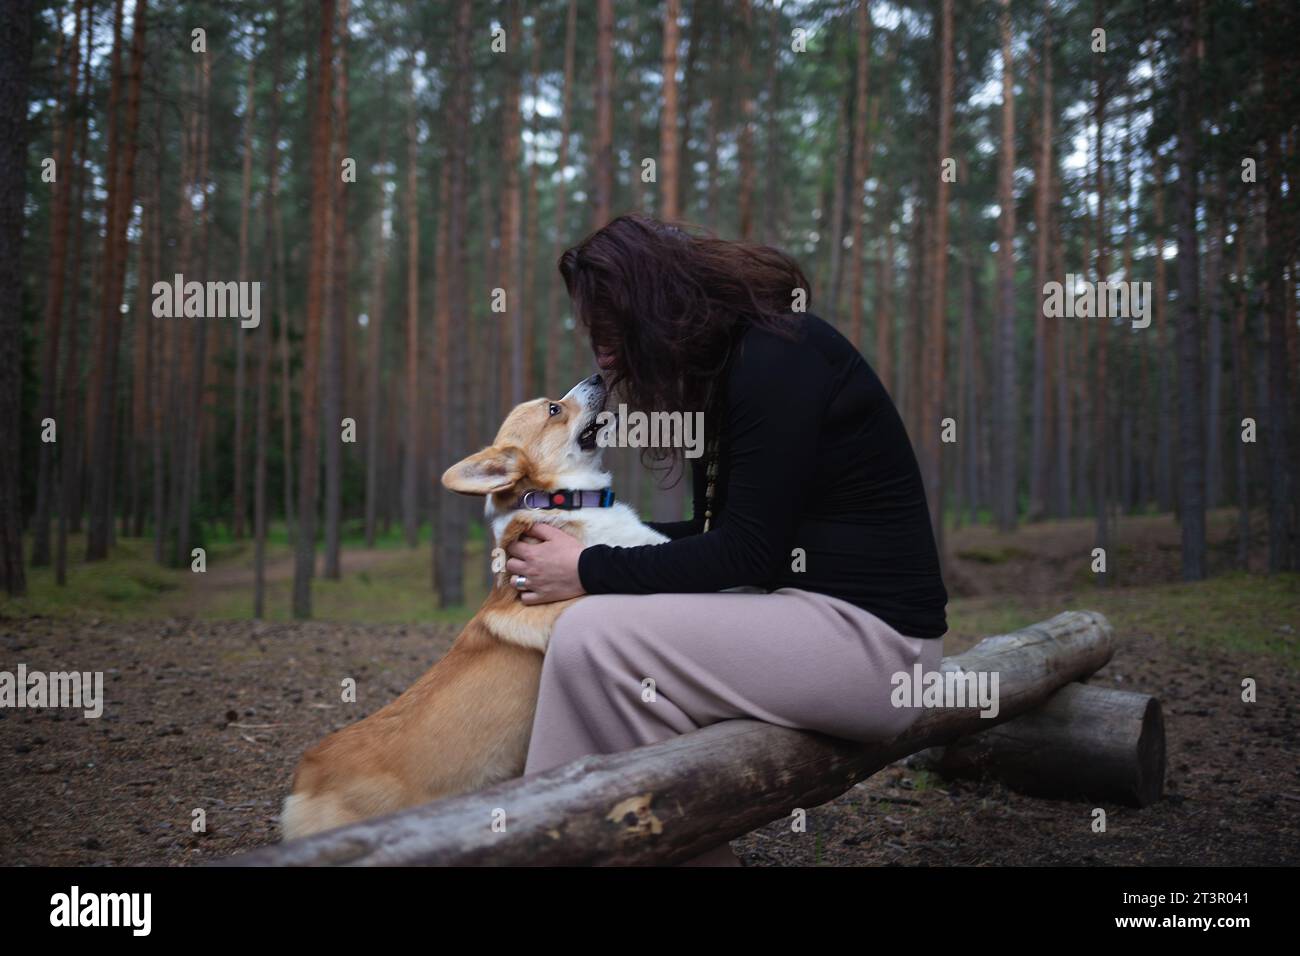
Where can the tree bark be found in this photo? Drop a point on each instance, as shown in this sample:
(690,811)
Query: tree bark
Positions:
(309,455)
(245,193)
(69,399)
(121,180)
(857,194)
(1276,287)
(453,514)
(1038,455)
(668,145)
(1007,413)
(511,355)
(935,346)
(375,330)
(1085,742)
(602,153)
(1101,460)
(745,148)
(338,306)
(1164,390)
(1191,423)
(15,70)
(1240,395)
(277,311)
(553,310)
(411,458)
(56,280)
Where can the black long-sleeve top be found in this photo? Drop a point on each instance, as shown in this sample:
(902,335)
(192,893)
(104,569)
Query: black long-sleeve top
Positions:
(814,456)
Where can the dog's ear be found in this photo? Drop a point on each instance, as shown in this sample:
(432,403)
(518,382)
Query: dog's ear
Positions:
(491,470)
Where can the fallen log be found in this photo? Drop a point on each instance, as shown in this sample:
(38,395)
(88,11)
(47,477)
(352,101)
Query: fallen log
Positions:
(1085,741)
(670,801)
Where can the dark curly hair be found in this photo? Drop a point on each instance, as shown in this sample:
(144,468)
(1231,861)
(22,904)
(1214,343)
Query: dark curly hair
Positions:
(669,301)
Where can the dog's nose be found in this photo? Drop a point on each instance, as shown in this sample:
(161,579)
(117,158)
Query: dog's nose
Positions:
(596,380)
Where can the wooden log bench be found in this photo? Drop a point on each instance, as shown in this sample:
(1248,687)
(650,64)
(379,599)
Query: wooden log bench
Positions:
(670,801)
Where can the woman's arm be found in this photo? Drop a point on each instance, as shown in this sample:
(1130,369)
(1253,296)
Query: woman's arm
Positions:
(777,396)
(678,529)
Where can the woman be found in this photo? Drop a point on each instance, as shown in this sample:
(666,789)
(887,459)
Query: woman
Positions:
(809,491)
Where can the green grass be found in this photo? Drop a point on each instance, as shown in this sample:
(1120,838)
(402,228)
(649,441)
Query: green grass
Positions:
(397,591)
(352,535)
(123,586)
(396,587)
(1235,612)
(1238,612)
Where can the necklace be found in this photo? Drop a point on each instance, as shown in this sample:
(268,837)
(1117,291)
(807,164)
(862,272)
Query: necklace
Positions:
(710,482)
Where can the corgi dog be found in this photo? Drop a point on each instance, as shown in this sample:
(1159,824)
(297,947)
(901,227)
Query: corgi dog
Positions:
(465,723)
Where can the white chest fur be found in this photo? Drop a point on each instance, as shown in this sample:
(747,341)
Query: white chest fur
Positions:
(616,525)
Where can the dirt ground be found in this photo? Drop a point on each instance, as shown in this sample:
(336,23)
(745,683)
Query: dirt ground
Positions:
(213,716)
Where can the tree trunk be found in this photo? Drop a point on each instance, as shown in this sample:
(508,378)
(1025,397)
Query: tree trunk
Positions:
(15,69)
(121,182)
(1217,213)
(190,445)
(602,153)
(745,148)
(69,399)
(1064,444)
(1191,422)
(1101,460)
(338,308)
(244,213)
(935,347)
(511,354)
(1007,413)
(1240,395)
(532,231)
(56,279)
(857,194)
(1038,455)
(776,168)
(286,373)
(668,146)
(1164,390)
(1085,742)
(442,324)
(835,222)
(885,311)
(277,311)
(453,514)
(1276,232)
(321,197)
(375,330)
(553,310)
(411,457)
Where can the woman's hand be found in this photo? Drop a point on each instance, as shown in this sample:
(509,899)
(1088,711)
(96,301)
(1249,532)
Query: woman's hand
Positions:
(547,558)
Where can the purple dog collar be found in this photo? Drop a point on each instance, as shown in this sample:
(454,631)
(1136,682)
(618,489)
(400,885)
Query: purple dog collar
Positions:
(566,499)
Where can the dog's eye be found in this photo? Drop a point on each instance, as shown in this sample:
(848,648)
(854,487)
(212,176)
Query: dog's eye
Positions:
(553,409)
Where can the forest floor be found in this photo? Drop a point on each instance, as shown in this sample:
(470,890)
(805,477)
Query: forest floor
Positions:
(206,710)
